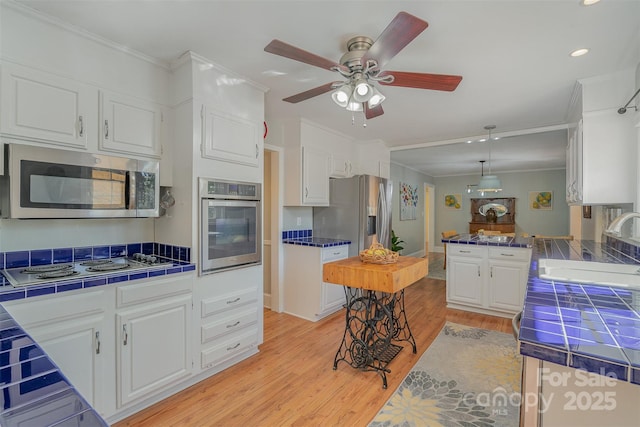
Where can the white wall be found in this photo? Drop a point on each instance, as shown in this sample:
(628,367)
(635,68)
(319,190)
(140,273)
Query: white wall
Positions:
(411,231)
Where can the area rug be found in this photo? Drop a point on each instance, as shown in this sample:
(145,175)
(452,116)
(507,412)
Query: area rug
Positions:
(467,377)
(436,267)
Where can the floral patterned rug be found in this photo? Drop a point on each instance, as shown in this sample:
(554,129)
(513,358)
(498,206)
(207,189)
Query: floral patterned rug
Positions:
(467,377)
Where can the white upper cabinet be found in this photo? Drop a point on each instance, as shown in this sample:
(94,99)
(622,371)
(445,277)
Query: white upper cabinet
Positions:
(601,149)
(47,108)
(315,177)
(129,125)
(229,138)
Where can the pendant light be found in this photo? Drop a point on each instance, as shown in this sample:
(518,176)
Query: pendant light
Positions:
(489,183)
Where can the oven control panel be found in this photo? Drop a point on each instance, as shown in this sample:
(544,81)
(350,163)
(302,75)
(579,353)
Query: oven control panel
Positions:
(221,189)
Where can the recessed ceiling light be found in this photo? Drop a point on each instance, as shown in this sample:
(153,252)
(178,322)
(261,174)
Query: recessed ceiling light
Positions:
(579,52)
(589,2)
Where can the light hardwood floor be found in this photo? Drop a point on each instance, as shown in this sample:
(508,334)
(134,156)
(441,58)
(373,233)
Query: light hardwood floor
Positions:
(291,382)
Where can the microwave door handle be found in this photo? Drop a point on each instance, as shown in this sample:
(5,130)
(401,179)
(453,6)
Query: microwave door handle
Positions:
(130,190)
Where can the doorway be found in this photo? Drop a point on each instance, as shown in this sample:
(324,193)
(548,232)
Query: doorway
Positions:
(272,261)
(429,220)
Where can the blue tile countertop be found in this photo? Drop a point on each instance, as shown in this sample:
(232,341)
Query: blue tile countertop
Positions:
(179,256)
(33,389)
(590,327)
(475,239)
(305,238)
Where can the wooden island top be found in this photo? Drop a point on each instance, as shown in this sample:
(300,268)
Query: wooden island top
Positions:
(389,278)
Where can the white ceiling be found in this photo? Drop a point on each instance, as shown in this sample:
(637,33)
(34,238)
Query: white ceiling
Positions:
(513,56)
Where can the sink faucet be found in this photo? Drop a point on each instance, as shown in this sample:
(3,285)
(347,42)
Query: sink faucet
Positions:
(615,228)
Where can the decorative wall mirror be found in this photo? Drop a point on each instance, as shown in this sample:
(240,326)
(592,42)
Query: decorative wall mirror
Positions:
(498,207)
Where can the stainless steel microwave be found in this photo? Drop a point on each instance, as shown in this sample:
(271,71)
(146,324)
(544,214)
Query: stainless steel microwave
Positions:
(50,183)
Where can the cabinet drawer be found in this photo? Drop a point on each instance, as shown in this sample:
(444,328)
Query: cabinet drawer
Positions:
(228,348)
(236,320)
(153,290)
(335,253)
(466,250)
(514,254)
(228,301)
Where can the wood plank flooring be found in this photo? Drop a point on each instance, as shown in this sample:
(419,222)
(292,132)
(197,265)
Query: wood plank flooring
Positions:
(291,382)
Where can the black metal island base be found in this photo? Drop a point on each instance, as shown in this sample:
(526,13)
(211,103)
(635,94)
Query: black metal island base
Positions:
(376,321)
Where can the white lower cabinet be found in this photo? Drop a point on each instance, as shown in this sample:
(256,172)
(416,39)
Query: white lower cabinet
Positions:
(73,330)
(305,294)
(489,280)
(153,345)
(464,280)
(229,326)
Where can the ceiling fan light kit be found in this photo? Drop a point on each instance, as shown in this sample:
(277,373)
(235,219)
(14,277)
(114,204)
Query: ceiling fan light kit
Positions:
(361,65)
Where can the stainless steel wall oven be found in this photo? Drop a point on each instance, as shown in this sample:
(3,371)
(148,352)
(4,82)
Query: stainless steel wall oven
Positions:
(230,225)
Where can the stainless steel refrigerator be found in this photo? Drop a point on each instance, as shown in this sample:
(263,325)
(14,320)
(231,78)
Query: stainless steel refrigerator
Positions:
(359,211)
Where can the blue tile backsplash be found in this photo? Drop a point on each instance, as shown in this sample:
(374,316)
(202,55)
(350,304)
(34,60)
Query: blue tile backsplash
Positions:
(181,257)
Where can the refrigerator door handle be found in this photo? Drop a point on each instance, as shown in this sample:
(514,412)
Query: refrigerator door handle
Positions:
(382,225)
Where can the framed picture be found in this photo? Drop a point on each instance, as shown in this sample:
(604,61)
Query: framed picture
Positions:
(540,200)
(453,201)
(408,201)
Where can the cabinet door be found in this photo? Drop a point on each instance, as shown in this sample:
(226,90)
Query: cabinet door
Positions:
(341,166)
(315,177)
(46,108)
(129,125)
(154,348)
(507,281)
(76,347)
(464,280)
(229,138)
(333,296)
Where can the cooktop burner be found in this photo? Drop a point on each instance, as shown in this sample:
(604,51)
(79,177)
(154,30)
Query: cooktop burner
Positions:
(93,262)
(57,274)
(24,276)
(47,268)
(108,267)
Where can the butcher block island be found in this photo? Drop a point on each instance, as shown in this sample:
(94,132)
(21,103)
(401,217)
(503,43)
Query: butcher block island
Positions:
(375,319)
(390,278)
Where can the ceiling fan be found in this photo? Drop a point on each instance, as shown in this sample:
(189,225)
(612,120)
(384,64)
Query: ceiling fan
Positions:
(362,65)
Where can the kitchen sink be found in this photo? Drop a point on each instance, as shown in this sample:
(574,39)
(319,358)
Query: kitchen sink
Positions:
(494,238)
(598,273)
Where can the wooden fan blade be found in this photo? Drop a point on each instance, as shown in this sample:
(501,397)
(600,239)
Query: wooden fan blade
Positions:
(374,112)
(422,80)
(278,47)
(303,96)
(399,33)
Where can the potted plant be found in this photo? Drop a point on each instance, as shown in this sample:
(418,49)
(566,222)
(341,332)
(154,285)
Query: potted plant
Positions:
(396,242)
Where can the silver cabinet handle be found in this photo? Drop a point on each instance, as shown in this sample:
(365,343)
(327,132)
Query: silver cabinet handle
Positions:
(306,191)
(506,254)
(125,334)
(97,342)
(491,271)
(81,125)
(257,151)
(234,325)
(478,271)
(465,252)
(106,129)
(234,347)
(233,301)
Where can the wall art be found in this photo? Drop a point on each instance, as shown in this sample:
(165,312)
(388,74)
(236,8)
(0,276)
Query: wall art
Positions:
(408,201)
